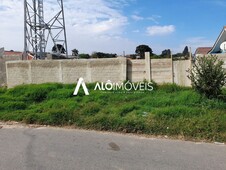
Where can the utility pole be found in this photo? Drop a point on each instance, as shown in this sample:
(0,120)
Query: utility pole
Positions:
(38,33)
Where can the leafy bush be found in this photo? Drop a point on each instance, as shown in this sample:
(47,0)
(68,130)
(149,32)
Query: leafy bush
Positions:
(92,109)
(125,109)
(60,116)
(2,90)
(13,105)
(208,76)
(170,88)
(60,94)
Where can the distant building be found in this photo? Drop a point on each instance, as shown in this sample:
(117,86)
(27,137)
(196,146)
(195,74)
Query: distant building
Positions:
(219,47)
(220,44)
(12,53)
(202,50)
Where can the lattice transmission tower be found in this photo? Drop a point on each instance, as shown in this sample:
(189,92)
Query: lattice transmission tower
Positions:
(39,33)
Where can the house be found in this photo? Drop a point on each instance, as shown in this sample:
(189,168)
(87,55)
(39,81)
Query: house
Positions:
(10,55)
(202,51)
(219,47)
(220,44)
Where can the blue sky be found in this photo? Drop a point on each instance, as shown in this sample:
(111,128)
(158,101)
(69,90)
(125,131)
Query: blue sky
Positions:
(195,22)
(115,26)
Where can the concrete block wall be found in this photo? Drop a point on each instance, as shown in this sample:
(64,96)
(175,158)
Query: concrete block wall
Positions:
(2,71)
(139,70)
(94,70)
(3,60)
(161,70)
(17,73)
(136,70)
(73,70)
(102,70)
(108,69)
(65,71)
(180,73)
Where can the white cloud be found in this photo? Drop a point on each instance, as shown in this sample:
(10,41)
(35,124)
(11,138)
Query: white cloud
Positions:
(195,42)
(160,30)
(199,42)
(96,24)
(11,20)
(89,17)
(137,18)
(154,18)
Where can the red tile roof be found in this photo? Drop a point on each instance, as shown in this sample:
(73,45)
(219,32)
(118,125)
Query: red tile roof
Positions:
(203,50)
(13,53)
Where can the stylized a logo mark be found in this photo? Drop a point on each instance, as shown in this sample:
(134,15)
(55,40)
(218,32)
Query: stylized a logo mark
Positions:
(81,82)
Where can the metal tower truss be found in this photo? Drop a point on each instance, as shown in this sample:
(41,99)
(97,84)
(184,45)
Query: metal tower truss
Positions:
(38,33)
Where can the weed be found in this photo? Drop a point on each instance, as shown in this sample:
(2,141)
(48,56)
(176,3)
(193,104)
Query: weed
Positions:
(168,110)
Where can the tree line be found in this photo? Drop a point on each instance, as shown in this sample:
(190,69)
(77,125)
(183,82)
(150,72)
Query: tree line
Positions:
(139,54)
(141,49)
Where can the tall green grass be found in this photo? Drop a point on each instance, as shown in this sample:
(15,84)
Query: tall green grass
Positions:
(167,110)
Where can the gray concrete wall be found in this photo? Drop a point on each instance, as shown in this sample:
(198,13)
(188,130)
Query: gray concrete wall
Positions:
(180,73)
(93,70)
(65,71)
(2,71)
(136,71)
(3,60)
(161,70)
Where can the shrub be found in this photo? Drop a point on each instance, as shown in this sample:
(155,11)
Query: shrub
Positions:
(37,95)
(170,88)
(125,109)
(168,110)
(2,90)
(208,76)
(13,105)
(91,109)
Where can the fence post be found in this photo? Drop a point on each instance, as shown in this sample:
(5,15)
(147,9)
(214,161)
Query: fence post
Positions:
(148,66)
(191,63)
(190,56)
(172,67)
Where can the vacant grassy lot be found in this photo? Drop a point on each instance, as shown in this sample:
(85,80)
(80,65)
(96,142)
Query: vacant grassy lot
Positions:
(168,110)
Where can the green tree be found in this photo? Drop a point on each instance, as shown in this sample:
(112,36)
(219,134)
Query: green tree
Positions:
(208,76)
(141,49)
(84,56)
(177,55)
(186,52)
(103,55)
(75,52)
(166,53)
